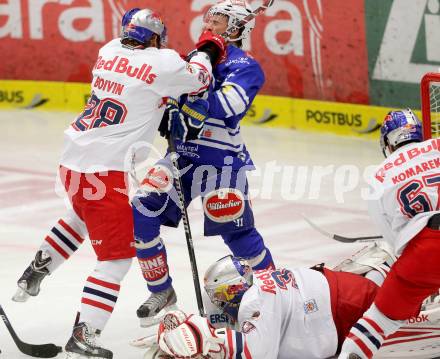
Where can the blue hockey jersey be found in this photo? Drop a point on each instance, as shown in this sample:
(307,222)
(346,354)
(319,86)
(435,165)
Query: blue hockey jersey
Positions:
(236,82)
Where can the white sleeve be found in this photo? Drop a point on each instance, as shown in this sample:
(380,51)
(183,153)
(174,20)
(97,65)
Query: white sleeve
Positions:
(379,217)
(183,77)
(257,343)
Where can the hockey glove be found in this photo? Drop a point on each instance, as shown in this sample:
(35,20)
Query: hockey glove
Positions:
(194,337)
(184,124)
(213,45)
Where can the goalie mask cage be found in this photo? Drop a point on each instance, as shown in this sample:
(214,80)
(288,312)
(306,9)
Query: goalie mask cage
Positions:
(430,94)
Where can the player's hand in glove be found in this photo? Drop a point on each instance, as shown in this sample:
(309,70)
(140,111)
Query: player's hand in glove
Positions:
(186,123)
(194,337)
(213,45)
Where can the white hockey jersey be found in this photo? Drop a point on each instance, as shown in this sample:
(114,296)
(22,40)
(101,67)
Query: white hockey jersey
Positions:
(127,104)
(285,315)
(408,183)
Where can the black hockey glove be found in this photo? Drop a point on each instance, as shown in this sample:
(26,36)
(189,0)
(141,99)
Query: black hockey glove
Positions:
(184,123)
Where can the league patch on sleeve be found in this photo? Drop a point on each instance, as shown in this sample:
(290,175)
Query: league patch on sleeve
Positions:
(159,178)
(310,306)
(224,205)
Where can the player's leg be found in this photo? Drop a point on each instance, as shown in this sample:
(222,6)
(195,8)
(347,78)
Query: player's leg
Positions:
(99,297)
(107,215)
(228,213)
(63,240)
(414,276)
(156,204)
(351,295)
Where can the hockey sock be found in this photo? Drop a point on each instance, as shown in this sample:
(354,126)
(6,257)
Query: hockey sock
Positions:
(367,335)
(262,261)
(61,242)
(152,257)
(101,292)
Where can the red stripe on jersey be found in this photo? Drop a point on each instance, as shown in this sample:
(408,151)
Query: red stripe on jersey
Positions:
(361,345)
(71,231)
(94,303)
(230,343)
(375,326)
(247,353)
(104,284)
(57,247)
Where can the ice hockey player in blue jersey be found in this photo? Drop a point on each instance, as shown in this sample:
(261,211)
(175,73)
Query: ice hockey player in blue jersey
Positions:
(213,160)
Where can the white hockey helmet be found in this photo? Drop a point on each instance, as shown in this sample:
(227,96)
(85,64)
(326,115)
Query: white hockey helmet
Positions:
(226,281)
(235,10)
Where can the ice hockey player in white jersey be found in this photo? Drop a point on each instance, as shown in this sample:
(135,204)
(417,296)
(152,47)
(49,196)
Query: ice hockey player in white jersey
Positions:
(407,211)
(132,78)
(296,314)
(285,314)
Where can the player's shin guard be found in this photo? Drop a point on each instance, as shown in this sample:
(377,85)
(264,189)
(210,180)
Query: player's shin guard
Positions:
(152,257)
(150,251)
(101,292)
(368,334)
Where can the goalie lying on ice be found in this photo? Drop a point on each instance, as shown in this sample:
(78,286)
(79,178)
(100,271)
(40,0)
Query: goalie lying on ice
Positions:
(302,313)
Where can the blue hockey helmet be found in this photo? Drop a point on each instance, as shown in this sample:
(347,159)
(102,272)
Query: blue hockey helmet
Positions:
(140,25)
(226,281)
(398,128)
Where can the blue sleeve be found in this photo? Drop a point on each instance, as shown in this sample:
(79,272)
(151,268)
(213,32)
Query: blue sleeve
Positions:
(231,101)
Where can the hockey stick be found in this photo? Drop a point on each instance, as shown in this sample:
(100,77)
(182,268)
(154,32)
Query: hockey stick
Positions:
(339,238)
(259,10)
(188,236)
(33,350)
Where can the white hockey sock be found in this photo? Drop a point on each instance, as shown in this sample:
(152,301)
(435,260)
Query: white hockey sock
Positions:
(62,241)
(101,292)
(368,334)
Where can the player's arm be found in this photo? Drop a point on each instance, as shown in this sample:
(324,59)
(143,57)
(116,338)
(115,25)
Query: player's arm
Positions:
(236,93)
(380,219)
(194,77)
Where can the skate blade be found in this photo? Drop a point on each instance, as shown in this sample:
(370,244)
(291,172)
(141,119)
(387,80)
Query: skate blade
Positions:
(150,321)
(144,342)
(20,296)
(71,355)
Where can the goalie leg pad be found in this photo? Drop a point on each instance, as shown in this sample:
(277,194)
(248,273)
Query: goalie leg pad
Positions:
(378,256)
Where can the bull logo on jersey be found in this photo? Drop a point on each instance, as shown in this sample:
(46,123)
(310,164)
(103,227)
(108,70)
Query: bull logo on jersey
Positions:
(158,179)
(224,205)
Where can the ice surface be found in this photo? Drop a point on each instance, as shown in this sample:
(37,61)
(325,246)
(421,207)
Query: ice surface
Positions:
(30,145)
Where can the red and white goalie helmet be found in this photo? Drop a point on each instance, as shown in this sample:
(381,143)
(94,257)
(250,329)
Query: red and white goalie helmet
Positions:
(235,10)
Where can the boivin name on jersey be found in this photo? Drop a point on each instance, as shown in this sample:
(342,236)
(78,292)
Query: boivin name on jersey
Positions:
(122,66)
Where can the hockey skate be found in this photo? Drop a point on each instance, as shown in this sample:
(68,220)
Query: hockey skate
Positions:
(156,306)
(84,344)
(30,281)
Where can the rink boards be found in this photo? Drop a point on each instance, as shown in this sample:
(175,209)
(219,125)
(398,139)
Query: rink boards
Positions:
(267,111)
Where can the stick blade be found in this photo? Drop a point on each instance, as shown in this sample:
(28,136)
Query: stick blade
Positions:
(40,350)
